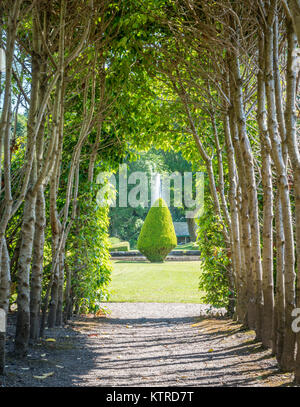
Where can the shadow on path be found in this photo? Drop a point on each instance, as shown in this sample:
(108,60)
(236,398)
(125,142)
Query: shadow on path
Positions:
(148,345)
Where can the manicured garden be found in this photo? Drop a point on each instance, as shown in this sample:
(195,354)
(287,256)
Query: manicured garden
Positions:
(172,281)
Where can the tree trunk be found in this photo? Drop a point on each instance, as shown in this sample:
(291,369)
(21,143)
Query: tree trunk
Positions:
(23,301)
(288,354)
(241,303)
(245,230)
(192,229)
(279,311)
(293,148)
(37,265)
(5,278)
(267,232)
(68,299)
(60,300)
(5,121)
(252,191)
(54,298)
(294,10)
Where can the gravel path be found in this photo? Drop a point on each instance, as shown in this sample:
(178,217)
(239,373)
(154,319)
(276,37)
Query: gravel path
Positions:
(152,345)
(148,344)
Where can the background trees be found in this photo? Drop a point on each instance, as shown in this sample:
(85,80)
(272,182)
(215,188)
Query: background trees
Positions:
(126,222)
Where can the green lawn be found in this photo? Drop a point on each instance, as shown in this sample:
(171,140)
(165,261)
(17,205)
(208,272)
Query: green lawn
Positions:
(171,281)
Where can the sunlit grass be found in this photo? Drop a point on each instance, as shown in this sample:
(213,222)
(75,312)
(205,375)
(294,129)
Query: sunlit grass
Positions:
(171,281)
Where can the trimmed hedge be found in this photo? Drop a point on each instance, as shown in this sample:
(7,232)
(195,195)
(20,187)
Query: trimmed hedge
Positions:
(157,237)
(120,247)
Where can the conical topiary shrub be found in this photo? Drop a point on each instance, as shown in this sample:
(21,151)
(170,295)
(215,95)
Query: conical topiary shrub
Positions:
(157,237)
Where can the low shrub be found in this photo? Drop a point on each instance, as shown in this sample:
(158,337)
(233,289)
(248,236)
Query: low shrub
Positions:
(215,263)
(120,247)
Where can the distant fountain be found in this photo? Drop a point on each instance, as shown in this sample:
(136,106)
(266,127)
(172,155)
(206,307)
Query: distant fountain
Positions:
(155,187)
